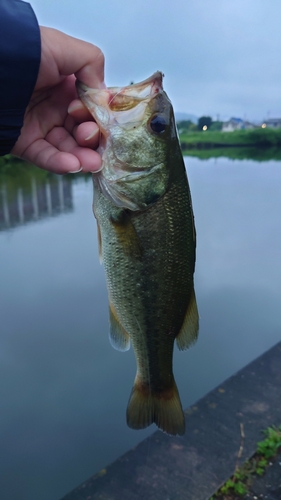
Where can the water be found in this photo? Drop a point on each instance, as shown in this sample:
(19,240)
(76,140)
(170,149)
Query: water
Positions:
(63,389)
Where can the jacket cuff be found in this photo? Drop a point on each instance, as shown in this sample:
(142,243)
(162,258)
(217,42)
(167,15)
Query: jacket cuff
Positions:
(20,54)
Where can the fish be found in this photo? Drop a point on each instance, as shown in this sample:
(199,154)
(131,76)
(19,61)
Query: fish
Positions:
(147,241)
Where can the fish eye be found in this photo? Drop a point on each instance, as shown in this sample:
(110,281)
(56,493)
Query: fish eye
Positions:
(158,124)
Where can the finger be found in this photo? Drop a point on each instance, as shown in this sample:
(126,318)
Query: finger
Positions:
(69,124)
(72,55)
(87,135)
(46,156)
(90,160)
(61,139)
(79,111)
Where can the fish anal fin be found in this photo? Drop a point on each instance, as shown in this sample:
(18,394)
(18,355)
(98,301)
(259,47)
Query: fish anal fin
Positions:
(118,336)
(127,234)
(99,242)
(164,409)
(189,330)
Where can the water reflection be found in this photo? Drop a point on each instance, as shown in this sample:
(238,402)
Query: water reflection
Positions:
(31,198)
(63,389)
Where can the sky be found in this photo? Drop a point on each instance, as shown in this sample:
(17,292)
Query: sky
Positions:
(220,58)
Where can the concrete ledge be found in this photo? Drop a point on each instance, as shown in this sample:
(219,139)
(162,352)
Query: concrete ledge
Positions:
(194,466)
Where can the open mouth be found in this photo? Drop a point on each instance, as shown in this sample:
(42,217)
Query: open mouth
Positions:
(121,98)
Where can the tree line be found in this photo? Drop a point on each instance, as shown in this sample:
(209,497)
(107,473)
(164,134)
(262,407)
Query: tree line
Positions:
(204,123)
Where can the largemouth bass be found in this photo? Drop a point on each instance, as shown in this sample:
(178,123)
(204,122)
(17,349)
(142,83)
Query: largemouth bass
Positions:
(146,230)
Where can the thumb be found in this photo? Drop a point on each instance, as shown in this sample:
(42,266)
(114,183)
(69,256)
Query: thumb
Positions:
(74,56)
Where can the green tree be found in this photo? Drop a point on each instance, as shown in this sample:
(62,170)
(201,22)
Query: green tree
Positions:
(204,121)
(217,125)
(185,125)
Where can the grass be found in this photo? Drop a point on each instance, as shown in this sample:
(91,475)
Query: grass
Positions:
(262,138)
(257,144)
(239,483)
(16,173)
(236,153)
(15,167)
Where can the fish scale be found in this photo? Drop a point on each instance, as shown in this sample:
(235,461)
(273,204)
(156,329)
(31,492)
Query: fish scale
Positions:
(147,235)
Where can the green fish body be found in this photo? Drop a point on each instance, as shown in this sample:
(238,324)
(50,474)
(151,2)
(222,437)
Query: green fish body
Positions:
(143,208)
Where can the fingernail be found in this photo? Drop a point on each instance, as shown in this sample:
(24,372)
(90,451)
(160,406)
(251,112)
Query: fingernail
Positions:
(75,171)
(95,132)
(96,171)
(74,107)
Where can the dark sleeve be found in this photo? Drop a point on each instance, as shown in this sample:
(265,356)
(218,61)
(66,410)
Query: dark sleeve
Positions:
(20,53)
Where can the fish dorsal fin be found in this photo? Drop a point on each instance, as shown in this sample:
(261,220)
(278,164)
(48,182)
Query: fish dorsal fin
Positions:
(99,243)
(118,336)
(189,330)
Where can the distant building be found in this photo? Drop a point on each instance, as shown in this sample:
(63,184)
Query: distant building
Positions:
(272,123)
(232,124)
(236,124)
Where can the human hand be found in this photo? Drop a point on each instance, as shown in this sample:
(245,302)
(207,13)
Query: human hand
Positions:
(50,137)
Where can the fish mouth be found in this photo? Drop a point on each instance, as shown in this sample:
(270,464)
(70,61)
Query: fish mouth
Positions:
(146,89)
(124,106)
(121,98)
(121,106)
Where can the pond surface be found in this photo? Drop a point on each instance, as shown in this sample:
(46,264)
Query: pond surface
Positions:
(63,388)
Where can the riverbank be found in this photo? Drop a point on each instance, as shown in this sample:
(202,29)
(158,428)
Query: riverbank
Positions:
(257,144)
(259,477)
(255,138)
(236,153)
(194,466)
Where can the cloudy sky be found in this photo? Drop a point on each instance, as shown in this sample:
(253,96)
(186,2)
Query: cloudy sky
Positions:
(219,57)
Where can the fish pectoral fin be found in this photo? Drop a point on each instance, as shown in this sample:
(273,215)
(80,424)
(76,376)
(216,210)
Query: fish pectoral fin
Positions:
(164,409)
(189,330)
(118,336)
(99,242)
(127,234)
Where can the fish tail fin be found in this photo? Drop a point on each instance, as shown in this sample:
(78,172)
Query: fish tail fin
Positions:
(164,409)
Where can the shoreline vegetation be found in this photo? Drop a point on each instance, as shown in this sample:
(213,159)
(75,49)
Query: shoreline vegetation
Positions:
(262,138)
(256,144)
(241,484)
(236,153)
